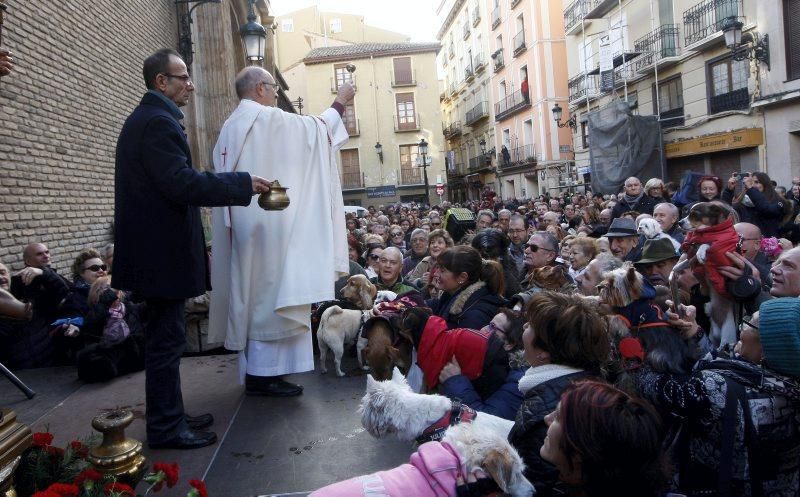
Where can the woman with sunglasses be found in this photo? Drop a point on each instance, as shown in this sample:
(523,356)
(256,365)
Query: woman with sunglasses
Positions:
(397,238)
(372,254)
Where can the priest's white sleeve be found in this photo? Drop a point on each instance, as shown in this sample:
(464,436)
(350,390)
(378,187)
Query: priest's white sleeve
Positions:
(336,128)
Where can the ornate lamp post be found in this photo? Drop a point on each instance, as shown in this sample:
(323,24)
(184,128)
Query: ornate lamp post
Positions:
(423,151)
(557,114)
(745,46)
(254,36)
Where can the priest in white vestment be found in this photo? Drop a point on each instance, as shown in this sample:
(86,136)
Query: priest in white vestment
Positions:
(270,266)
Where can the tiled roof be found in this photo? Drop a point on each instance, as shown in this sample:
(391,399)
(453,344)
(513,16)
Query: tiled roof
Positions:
(364,50)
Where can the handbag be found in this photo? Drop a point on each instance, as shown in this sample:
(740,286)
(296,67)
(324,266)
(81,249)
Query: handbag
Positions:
(745,287)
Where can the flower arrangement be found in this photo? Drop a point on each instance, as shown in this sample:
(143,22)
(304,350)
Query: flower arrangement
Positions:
(49,471)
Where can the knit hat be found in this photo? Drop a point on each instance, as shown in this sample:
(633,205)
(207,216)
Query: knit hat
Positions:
(779,330)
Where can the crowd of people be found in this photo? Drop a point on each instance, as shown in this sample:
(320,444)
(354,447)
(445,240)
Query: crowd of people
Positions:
(623,375)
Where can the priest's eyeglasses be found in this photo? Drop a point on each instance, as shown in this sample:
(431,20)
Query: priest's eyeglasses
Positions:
(275,86)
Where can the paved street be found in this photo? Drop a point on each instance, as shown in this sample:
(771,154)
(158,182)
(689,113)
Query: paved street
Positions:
(268,446)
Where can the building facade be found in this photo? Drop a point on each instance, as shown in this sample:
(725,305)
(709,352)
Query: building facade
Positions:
(69,94)
(670,60)
(466,99)
(396,105)
(528,50)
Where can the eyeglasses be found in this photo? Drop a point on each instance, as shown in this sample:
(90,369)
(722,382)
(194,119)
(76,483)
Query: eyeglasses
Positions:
(95,268)
(183,77)
(374,257)
(274,85)
(495,328)
(535,248)
(397,233)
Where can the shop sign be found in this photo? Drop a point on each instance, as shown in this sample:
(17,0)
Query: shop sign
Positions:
(743,138)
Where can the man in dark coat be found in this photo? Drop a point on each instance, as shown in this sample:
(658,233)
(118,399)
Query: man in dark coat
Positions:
(160,251)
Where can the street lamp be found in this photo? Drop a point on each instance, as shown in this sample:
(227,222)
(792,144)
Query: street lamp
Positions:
(423,151)
(379,151)
(558,113)
(185,28)
(254,36)
(757,49)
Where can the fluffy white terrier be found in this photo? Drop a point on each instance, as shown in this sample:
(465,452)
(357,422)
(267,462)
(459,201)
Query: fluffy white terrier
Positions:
(338,327)
(391,407)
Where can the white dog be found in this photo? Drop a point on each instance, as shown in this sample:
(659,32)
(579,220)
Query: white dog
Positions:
(392,408)
(338,327)
(651,230)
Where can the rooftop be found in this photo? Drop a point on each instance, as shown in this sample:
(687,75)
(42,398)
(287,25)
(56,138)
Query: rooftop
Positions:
(366,50)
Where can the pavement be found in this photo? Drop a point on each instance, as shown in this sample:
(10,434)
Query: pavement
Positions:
(268,446)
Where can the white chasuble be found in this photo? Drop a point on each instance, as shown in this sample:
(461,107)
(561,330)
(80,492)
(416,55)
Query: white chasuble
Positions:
(269,266)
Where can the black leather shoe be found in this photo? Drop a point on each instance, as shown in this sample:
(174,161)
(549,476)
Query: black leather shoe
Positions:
(199,422)
(273,388)
(189,439)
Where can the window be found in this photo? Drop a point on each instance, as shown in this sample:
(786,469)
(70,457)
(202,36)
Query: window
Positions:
(402,71)
(791,22)
(336,25)
(585,134)
(406,117)
(349,118)
(409,175)
(670,99)
(727,81)
(287,25)
(351,170)
(342,76)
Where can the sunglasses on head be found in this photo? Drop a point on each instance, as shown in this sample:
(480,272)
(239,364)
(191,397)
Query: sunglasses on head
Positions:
(95,268)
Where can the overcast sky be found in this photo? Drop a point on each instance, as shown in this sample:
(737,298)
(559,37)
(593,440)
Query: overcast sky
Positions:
(415,18)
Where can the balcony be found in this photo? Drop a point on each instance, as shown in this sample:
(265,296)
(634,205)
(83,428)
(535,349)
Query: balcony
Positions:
(407,123)
(452,130)
(469,74)
(496,17)
(411,176)
(403,78)
(477,113)
(478,62)
(519,43)
(519,156)
(734,100)
(583,86)
(336,83)
(466,31)
(476,17)
(514,3)
(597,9)
(510,105)
(451,51)
(672,117)
(352,181)
(575,15)
(498,60)
(626,73)
(706,19)
(352,126)
(452,90)
(658,47)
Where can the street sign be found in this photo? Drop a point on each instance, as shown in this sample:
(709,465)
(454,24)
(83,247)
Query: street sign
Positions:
(440,190)
(565,149)
(428,160)
(381,191)
(606,64)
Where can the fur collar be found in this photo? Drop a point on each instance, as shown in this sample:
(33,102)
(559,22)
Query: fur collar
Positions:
(540,374)
(461,300)
(516,360)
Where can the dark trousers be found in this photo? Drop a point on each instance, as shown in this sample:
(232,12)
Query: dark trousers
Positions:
(165,340)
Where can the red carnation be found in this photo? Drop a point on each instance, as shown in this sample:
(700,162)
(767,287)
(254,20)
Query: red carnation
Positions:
(90,475)
(42,439)
(200,487)
(118,489)
(64,489)
(45,493)
(79,449)
(171,472)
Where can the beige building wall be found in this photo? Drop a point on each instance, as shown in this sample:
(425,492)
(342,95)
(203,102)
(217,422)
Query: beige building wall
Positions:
(707,127)
(466,98)
(528,37)
(300,31)
(376,120)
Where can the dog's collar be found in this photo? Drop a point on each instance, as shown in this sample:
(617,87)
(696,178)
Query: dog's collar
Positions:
(458,413)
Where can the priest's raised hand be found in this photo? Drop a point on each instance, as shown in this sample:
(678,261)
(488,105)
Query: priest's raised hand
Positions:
(345,94)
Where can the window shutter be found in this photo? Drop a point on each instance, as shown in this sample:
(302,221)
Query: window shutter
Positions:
(791,19)
(402,70)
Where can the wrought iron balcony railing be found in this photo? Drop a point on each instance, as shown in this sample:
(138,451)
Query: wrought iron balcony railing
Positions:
(452,130)
(352,180)
(656,45)
(510,105)
(499,62)
(410,176)
(708,17)
(496,17)
(519,42)
(478,112)
(734,100)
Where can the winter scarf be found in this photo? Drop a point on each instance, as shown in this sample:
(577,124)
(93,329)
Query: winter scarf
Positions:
(632,201)
(540,374)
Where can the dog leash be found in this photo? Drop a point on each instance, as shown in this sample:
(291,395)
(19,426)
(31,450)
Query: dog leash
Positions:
(458,413)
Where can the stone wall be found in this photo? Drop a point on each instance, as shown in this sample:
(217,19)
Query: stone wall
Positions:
(78,76)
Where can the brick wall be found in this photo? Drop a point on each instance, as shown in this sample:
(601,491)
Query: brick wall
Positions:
(78,76)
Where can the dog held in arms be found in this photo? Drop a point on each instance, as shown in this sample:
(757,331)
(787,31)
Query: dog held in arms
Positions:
(391,408)
(709,235)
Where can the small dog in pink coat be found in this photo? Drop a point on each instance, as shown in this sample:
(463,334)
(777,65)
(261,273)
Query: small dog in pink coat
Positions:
(436,467)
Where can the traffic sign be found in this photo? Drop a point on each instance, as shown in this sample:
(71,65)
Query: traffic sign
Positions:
(440,190)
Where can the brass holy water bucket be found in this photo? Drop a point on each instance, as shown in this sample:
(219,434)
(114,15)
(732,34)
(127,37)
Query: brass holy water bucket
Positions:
(275,199)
